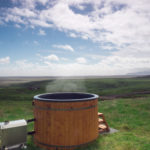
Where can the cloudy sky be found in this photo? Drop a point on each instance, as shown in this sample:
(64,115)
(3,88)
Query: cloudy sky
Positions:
(74,37)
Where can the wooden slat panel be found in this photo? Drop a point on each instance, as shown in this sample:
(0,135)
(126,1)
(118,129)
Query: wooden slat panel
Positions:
(61,127)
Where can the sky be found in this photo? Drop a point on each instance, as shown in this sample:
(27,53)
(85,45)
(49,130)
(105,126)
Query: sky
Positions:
(74,37)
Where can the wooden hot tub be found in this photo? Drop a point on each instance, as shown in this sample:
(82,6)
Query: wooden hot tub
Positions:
(65,120)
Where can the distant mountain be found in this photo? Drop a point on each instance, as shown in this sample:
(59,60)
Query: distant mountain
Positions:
(141,73)
(144,76)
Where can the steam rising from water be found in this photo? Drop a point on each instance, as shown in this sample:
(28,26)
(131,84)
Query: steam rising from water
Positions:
(66,85)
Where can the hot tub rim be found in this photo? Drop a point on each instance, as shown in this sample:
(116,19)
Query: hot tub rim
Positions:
(94,96)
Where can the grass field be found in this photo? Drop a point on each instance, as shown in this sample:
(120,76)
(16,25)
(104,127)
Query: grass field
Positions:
(131,116)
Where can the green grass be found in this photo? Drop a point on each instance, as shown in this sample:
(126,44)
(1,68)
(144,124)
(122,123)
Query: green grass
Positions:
(131,116)
(117,86)
(102,87)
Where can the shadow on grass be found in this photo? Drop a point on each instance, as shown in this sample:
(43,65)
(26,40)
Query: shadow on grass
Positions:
(31,145)
(92,146)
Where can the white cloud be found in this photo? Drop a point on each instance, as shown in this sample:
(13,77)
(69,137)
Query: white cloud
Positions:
(5,60)
(124,24)
(81,60)
(24,12)
(64,59)
(85,37)
(41,32)
(112,22)
(43,1)
(17,26)
(13,18)
(73,35)
(52,58)
(41,23)
(65,47)
(36,42)
(23,64)
(107,47)
(109,65)
(96,57)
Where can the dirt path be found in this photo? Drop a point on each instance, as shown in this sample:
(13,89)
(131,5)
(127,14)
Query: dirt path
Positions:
(128,95)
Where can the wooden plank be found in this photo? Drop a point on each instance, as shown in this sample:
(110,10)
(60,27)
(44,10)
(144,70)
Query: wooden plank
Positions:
(100,114)
(100,120)
(102,126)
